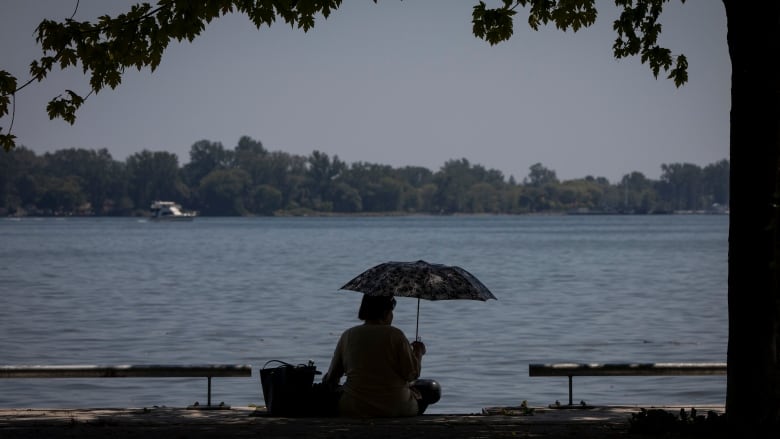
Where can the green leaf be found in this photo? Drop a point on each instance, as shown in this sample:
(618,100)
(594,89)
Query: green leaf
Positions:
(8,141)
(5,102)
(492,25)
(680,72)
(7,83)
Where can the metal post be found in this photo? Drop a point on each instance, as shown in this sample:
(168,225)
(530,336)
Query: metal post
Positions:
(208,406)
(570,399)
(209,397)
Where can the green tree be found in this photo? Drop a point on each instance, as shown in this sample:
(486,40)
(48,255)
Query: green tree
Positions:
(754,41)
(106,48)
(639,196)
(294,181)
(753,391)
(16,184)
(98,174)
(377,186)
(414,179)
(533,199)
(321,174)
(60,196)
(716,182)
(251,156)
(346,198)
(681,186)
(576,194)
(483,198)
(427,198)
(249,146)
(415,176)
(266,199)
(153,176)
(205,157)
(539,176)
(384,195)
(224,191)
(453,181)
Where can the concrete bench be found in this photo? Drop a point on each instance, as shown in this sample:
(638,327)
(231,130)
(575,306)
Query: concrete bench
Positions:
(132,371)
(622,369)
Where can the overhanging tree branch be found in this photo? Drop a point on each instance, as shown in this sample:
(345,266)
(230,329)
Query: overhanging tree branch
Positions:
(139,38)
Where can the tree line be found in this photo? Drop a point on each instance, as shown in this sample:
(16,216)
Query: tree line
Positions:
(250,180)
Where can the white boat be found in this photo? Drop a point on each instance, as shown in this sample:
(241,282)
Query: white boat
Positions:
(170,211)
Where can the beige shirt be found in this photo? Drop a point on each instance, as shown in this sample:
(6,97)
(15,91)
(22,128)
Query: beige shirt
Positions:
(379,365)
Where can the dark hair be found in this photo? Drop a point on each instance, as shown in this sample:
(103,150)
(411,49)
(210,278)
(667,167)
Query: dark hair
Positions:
(375,307)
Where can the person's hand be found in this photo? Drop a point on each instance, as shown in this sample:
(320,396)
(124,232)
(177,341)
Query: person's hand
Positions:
(418,348)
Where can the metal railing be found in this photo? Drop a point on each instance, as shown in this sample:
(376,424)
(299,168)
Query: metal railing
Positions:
(208,371)
(622,369)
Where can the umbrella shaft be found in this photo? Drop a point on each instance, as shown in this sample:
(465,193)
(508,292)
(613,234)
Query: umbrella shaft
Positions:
(417,329)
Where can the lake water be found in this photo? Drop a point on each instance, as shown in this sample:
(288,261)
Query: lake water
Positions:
(248,290)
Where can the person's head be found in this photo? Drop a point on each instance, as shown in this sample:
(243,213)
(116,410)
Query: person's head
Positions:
(375,307)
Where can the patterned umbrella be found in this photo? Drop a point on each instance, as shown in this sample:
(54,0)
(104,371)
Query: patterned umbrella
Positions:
(419,279)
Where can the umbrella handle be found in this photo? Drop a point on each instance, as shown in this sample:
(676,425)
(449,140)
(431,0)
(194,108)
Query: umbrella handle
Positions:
(417,329)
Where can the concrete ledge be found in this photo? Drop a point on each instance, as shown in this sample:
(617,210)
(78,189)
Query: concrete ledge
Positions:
(246,422)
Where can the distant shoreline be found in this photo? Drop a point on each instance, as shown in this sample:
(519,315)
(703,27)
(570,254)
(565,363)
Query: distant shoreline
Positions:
(315,214)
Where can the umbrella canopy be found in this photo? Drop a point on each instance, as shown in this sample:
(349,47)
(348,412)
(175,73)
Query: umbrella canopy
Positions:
(419,279)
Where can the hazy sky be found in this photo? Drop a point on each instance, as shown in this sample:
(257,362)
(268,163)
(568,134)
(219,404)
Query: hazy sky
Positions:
(397,83)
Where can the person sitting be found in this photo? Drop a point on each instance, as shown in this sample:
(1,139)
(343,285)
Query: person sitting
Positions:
(381,367)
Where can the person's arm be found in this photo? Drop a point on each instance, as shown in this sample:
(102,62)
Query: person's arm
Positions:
(418,348)
(410,357)
(336,369)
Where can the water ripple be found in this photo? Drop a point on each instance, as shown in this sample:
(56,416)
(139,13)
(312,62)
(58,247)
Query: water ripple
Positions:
(250,290)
